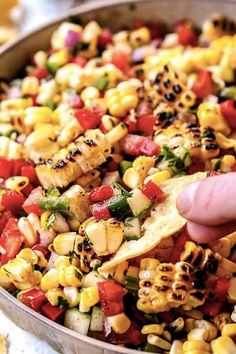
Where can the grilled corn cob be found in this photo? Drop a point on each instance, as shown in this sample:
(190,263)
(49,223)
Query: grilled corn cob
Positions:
(85,251)
(217,26)
(82,156)
(165,285)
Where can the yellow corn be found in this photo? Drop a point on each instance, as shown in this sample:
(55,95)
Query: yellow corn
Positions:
(232,290)
(132,178)
(157,177)
(73,276)
(140,37)
(119,323)
(72,295)
(153,328)
(30,85)
(120,271)
(229,330)
(196,345)
(40,58)
(10,149)
(117,133)
(89,296)
(47,92)
(28,255)
(16,104)
(69,133)
(227,162)
(158,342)
(221,320)
(176,347)
(29,227)
(5,280)
(223,345)
(109,122)
(90,93)
(59,57)
(38,115)
(55,295)
(49,280)
(64,243)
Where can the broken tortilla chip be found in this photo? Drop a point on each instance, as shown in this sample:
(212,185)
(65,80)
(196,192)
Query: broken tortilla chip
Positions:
(3,344)
(164,221)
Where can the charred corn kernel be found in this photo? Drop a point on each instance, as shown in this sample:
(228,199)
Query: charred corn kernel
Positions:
(17,183)
(223,345)
(160,176)
(10,149)
(119,323)
(42,262)
(132,178)
(89,93)
(55,296)
(28,255)
(109,122)
(142,164)
(158,342)
(29,227)
(232,290)
(40,58)
(60,225)
(176,347)
(72,296)
(37,115)
(90,296)
(153,328)
(196,345)
(120,271)
(221,320)
(16,104)
(59,57)
(5,280)
(88,179)
(226,268)
(209,114)
(30,85)
(229,330)
(140,36)
(64,243)
(117,133)
(149,264)
(49,280)
(69,133)
(73,276)
(120,100)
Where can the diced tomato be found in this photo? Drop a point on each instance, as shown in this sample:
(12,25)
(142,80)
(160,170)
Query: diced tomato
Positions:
(98,194)
(179,246)
(166,316)
(111,297)
(11,240)
(112,166)
(5,167)
(80,61)
(13,201)
(27,190)
(220,288)
(30,172)
(52,312)
(31,203)
(187,36)
(136,145)
(233,168)
(39,73)
(133,336)
(211,308)
(197,166)
(146,124)
(152,191)
(40,248)
(203,86)
(101,211)
(228,109)
(149,148)
(87,119)
(34,299)
(120,60)
(214,173)
(105,38)
(131,123)
(17,165)
(4,217)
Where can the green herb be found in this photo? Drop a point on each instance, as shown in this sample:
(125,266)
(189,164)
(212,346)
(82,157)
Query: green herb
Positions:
(127,223)
(139,72)
(52,105)
(174,162)
(192,111)
(79,46)
(29,69)
(59,204)
(51,220)
(122,190)
(53,192)
(71,256)
(62,303)
(11,132)
(102,83)
(51,68)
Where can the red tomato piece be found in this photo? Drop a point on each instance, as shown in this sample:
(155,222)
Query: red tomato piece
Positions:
(17,165)
(34,299)
(27,190)
(111,297)
(4,217)
(40,248)
(221,287)
(99,194)
(233,168)
(152,191)
(187,36)
(87,119)
(132,124)
(52,312)
(197,166)
(30,172)
(80,61)
(5,167)
(101,211)
(13,201)
(203,86)
(179,246)
(214,173)
(120,60)
(39,73)
(112,166)
(131,143)
(211,308)
(105,38)
(149,148)
(146,124)
(133,336)
(31,203)
(228,109)
(11,240)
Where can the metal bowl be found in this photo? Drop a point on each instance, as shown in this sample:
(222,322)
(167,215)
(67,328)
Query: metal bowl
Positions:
(114,14)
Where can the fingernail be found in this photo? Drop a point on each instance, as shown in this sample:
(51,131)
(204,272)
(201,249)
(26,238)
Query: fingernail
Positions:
(186,199)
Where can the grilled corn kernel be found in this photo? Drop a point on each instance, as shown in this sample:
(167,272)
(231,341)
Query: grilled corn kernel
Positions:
(20,271)
(17,183)
(49,280)
(69,133)
(41,138)
(89,93)
(10,149)
(109,122)
(72,295)
(232,290)
(120,100)
(120,271)
(198,345)
(210,329)
(64,243)
(28,255)
(229,330)
(73,276)
(44,218)
(140,36)
(197,334)
(30,85)
(223,345)
(153,328)
(16,104)
(89,296)
(119,323)
(160,176)
(117,133)
(132,178)
(37,115)
(59,57)
(221,320)
(227,162)
(158,342)
(55,296)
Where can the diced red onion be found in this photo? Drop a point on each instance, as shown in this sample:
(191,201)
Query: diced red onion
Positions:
(211,99)
(106,327)
(52,259)
(72,39)
(140,53)
(45,238)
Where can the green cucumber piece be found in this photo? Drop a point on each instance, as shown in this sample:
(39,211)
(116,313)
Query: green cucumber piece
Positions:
(124,165)
(132,230)
(119,206)
(97,319)
(138,202)
(91,279)
(77,321)
(228,92)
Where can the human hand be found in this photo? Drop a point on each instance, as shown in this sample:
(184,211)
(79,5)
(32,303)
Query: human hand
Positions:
(210,207)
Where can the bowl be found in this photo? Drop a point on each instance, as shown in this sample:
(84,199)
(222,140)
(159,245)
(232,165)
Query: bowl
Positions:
(114,14)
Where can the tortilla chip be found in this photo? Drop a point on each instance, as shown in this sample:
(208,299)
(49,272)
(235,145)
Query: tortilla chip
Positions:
(3,344)
(163,222)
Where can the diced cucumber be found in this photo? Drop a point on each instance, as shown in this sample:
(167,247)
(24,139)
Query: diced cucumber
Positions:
(228,92)
(97,319)
(124,165)
(77,321)
(132,230)
(91,279)
(138,202)
(151,349)
(184,155)
(118,206)
(132,278)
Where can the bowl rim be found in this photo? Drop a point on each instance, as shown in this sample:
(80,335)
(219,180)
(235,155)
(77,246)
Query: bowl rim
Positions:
(4,294)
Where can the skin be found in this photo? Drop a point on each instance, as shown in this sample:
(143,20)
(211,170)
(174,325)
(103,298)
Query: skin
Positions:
(210,207)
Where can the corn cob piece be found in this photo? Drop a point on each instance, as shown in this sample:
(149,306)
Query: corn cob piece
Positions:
(218,26)
(164,286)
(80,157)
(171,89)
(85,251)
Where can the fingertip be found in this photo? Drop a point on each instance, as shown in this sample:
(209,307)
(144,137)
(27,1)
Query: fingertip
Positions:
(186,199)
(205,234)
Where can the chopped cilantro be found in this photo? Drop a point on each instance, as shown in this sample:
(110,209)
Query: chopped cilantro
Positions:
(51,220)
(122,190)
(51,68)
(62,303)
(79,46)
(102,83)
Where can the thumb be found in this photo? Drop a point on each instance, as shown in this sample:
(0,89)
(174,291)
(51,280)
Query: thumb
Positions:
(211,201)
